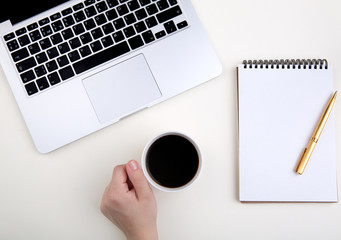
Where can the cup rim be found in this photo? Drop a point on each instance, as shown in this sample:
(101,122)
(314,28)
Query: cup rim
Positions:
(151,180)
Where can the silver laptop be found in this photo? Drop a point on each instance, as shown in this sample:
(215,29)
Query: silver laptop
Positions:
(78,66)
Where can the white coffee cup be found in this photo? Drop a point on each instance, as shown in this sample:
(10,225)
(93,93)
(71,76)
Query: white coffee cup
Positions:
(160,153)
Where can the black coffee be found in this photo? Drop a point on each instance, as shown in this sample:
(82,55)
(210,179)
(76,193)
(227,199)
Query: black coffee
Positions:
(172,161)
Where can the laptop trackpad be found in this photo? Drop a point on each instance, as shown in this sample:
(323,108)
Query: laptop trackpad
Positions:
(122,89)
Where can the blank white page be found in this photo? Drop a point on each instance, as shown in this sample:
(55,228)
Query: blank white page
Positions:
(278,111)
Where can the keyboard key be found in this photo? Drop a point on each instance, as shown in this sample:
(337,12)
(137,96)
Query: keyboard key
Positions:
(130,18)
(182,24)
(45,43)
(107,41)
(31,88)
(57,26)
(101,57)
(20,54)
(63,48)
(46,30)
(112,3)
(40,71)
(135,42)
(51,66)
(78,6)
(170,27)
(151,9)
(26,64)
(68,21)
(118,36)
(173,2)
(141,14)
(111,14)
(129,31)
(74,56)
(57,38)
(123,9)
(75,43)
(133,5)
(27,76)
(34,48)
(41,57)
(85,51)
(119,23)
(32,26)
(66,73)
(148,36)
(96,46)
(89,2)
(53,78)
(12,45)
(100,19)
(42,83)
(151,22)
(44,21)
(89,24)
(101,6)
(79,16)
(66,11)
(86,38)
(24,40)
(144,2)
(78,29)
(162,4)
(90,11)
(107,28)
(160,34)
(62,61)
(9,36)
(67,34)
(20,31)
(140,27)
(52,52)
(169,14)
(55,16)
(97,33)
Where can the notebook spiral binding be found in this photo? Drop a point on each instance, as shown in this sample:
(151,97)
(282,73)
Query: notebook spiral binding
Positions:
(287,63)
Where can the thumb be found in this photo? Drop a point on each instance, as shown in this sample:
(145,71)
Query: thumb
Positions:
(138,180)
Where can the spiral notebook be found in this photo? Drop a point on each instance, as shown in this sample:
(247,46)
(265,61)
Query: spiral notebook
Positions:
(280,103)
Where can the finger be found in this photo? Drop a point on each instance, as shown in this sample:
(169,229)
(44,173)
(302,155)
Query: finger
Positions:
(119,179)
(138,180)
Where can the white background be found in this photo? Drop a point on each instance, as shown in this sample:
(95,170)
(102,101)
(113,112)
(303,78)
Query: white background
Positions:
(57,196)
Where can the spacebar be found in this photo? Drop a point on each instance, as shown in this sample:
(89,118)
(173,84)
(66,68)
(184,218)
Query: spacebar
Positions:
(101,57)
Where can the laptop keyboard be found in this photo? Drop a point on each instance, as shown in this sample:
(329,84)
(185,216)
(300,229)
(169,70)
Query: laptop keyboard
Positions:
(90,33)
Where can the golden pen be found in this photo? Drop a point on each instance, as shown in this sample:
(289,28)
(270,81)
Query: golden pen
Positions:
(316,135)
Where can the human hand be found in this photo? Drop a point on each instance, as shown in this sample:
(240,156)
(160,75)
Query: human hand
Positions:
(129,203)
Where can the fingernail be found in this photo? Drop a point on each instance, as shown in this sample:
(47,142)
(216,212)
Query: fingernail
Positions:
(133,165)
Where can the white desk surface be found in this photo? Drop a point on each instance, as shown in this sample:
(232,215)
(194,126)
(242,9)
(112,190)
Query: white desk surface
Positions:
(57,196)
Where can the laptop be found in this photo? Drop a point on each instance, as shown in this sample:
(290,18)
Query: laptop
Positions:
(76,67)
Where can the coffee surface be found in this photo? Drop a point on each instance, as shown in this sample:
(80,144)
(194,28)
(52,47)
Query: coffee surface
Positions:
(172,161)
